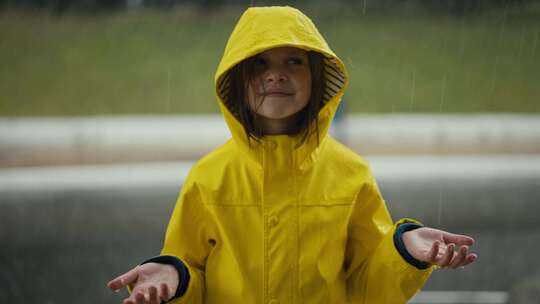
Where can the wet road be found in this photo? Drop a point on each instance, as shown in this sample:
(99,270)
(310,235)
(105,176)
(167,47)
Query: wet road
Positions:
(66,230)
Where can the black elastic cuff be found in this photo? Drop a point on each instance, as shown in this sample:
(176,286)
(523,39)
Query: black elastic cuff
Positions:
(183,273)
(400,246)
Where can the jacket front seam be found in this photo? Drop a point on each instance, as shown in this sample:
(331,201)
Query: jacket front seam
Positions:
(296,290)
(265,232)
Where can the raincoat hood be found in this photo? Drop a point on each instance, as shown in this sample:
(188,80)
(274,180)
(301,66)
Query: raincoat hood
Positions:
(263,28)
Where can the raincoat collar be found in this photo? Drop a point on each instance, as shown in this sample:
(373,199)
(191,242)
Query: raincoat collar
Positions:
(263,28)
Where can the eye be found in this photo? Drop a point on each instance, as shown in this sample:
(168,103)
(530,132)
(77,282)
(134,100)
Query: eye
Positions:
(295,60)
(259,61)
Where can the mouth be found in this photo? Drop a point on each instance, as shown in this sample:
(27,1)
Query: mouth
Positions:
(276,94)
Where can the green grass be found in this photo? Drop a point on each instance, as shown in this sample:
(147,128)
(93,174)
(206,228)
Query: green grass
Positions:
(163,62)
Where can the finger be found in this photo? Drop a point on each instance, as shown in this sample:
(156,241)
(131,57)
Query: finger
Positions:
(164,292)
(132,299)
(153,295)
(470,258)
(458,239)
(434,252)
(147,298)
(448,256)
(139,298)
(460,257)
(125,279)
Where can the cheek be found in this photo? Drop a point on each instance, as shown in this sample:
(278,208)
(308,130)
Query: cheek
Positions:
(305,87)
(251,97)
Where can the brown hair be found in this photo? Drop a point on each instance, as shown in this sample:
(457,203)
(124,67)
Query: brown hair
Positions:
(240,76)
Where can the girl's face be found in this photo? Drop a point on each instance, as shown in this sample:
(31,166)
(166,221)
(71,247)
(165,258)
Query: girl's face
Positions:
(281,84)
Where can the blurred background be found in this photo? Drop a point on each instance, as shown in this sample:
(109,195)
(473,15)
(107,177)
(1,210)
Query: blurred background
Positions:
(106,104)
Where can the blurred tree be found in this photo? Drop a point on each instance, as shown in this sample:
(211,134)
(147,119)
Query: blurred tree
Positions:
(61,6)
(462,8)
(211,5)
(454,7)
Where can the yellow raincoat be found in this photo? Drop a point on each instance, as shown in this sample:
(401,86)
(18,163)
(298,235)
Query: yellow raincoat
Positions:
(269,223)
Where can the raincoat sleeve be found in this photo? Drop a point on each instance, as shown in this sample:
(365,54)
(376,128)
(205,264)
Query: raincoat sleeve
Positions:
(375,270)
(188,238)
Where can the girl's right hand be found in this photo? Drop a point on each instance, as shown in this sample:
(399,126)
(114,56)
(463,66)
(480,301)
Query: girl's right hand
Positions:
(151,283)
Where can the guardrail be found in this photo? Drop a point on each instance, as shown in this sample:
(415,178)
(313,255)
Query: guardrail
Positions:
(84,140)
(460,297)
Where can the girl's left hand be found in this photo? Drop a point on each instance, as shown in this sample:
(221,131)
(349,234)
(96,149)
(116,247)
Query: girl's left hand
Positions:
(438,247)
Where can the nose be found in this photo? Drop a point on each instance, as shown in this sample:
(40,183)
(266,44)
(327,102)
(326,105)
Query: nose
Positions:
(275,74)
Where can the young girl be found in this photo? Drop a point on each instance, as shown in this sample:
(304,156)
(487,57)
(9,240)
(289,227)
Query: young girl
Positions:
(282,212)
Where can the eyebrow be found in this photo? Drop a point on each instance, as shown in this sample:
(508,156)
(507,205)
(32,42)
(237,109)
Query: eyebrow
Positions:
(288,53)
(296,52)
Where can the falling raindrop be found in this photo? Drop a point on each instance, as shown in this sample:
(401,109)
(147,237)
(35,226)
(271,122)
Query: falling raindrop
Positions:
(168,89)
(439,208)
(535,42)
(413,89)
(521,42)
(443,92)
(499,41)
(462,38)
(503,25)
(364,8)
(350,63)
(494,75)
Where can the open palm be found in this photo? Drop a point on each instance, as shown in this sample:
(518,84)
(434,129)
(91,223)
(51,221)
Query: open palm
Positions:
(151,282)
(438,247)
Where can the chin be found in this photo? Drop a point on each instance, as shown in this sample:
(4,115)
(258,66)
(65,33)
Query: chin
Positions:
(277,115)
(279,108)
